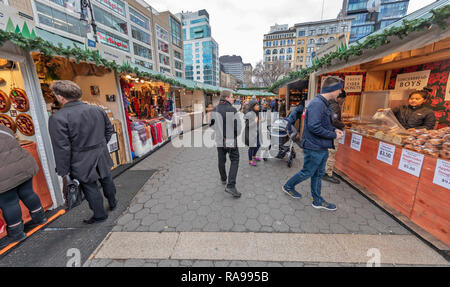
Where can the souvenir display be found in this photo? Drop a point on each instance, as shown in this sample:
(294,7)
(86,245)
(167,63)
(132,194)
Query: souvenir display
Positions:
(19,100)
(5,104)
(8,122)
(25,124)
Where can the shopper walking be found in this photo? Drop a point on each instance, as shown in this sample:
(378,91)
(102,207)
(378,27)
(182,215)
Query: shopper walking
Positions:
(79,134)
(252,132)
(318,136)
(227,125)
(16,183)
(336,106)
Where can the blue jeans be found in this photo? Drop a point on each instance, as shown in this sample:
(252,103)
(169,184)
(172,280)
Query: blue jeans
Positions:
(314,168)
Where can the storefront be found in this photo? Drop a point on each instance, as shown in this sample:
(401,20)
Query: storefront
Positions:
(407,172)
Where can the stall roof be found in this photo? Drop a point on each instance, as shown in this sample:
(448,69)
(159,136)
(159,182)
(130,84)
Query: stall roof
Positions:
(412,41)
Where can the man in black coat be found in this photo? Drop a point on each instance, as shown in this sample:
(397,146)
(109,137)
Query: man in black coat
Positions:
(79,134)
(224,118)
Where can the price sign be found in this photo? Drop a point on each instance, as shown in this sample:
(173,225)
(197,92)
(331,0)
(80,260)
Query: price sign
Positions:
(386,153)
(411,162)
(356,142)
(342,139)
(353,84)
(113,144)
(442,173)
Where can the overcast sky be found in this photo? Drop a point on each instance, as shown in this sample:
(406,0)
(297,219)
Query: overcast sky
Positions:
(239,25)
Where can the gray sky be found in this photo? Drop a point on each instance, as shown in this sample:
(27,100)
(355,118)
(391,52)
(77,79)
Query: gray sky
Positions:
(239,25)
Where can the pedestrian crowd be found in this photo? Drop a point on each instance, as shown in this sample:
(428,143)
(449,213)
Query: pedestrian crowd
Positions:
(80,132)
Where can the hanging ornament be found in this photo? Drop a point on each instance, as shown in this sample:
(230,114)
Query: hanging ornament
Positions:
(8,122)
(5,104)
(25,124)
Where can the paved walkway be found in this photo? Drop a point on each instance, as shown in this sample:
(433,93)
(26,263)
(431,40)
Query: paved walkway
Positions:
(185,200)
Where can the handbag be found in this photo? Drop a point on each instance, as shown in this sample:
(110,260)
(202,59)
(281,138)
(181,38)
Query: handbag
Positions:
(72,192)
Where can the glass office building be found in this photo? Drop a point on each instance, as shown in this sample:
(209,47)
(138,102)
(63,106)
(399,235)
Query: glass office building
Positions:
(367,21)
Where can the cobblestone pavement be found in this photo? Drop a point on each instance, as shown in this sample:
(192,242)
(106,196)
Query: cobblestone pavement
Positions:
(185,195)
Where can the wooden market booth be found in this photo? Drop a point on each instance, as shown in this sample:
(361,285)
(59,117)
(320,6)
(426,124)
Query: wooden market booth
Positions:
(413,197)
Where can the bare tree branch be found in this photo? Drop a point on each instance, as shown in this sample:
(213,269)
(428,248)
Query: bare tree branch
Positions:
(269,73)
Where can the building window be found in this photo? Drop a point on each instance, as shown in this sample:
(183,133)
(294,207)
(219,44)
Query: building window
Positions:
(333,30)
(115,5)
(112,40)
(177,55)
(202,20)
(175,30)
(163,47)
(282,51)
(162,33)
(331,39)
(302,50)
(267,52)
(163,59)
(110,21)
(144,64)
(311,41)
(140,35)
(199,32)
(178,74)
(289,50)
(275,51)
(142,51)
(311,32)
(301,33)
(298,50)
(61,21)
(321,40)
(164,70)
(139,19)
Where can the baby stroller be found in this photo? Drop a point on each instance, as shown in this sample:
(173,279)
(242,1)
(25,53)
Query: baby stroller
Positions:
(281,141)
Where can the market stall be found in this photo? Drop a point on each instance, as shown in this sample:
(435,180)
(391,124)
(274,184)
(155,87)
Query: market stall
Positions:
(22,110)
(98,85)
(407,171)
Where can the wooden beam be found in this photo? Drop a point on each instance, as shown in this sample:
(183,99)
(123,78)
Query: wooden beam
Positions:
(412,61)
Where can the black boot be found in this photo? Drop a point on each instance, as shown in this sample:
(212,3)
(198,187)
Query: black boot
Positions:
(37,218)
(15,234)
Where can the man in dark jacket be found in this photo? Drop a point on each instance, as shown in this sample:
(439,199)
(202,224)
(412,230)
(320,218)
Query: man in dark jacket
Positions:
(79,134)
(224,118)
(336,106)
(318,136)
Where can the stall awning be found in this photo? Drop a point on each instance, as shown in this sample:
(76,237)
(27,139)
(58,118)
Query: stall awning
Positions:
(414,40)
(257,93)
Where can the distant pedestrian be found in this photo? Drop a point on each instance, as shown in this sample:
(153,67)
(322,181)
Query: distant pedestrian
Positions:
(227,125)
(318,136)
(275,106)
(79,134)
(336,107)
(252,132)
(16,183)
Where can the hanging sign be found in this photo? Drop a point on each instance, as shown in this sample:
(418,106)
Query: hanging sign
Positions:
(415,80)
(411,162)
(353,83)
(386,153)
(356,142)
(442,173)
(342,139)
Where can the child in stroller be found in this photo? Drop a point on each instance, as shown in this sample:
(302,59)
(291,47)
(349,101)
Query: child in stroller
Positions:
(282,140)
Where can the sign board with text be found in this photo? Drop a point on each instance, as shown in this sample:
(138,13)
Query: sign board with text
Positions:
(353,83)
(415,80)
(386,153)
(342,139)
(442,173)
(356,142)
(411,162)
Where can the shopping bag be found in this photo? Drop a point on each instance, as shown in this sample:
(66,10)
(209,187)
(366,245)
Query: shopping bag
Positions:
(72,192)
(2,226)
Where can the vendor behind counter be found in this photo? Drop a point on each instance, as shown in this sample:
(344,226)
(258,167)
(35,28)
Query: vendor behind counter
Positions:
(416,115)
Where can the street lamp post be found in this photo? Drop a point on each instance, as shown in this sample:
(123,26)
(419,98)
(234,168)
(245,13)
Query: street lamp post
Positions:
(87,4)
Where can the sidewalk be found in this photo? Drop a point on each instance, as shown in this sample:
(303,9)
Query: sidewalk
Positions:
(185,195)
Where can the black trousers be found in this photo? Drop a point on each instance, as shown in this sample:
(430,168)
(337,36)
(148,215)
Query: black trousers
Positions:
(95,198)
(9,202)
(234,158)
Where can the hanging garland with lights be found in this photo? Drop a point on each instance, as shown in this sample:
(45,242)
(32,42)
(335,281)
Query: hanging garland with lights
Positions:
(438,18)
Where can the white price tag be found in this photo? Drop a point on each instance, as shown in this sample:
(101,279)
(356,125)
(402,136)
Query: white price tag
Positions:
(356,142)
(442,173)
(113,144)
(386,153)
(411,162)
(342,139)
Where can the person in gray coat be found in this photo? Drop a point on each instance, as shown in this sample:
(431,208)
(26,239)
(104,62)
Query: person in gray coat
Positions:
(79,134)
(16,182)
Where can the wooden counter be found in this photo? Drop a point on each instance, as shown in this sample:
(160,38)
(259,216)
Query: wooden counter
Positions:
(40,186)
(417,198)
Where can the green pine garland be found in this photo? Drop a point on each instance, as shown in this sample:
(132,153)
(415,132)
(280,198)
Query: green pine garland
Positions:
(81,55)
(439,18)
